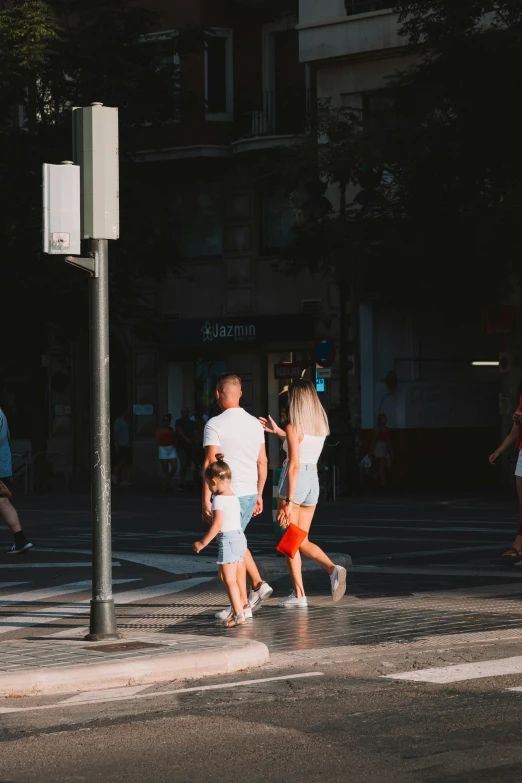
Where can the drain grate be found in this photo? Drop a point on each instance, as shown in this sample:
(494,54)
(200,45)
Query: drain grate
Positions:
(124,647)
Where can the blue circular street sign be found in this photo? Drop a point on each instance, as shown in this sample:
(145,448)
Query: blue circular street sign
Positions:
(324,351)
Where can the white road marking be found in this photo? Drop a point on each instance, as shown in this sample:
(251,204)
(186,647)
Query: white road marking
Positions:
(110,694)
(51,565)
(64,611)
(462,671)
(133,693)
(46,592)
(157,590)
(12,584)
(173,564)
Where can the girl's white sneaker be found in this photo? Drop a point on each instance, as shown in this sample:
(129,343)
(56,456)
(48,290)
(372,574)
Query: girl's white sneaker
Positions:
(292,602)
(338,580)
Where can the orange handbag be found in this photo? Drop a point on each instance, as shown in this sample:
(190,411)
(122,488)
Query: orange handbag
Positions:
(292,540)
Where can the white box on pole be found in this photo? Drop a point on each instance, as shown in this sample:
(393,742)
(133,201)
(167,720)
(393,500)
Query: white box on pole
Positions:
(95,150)
(61,209)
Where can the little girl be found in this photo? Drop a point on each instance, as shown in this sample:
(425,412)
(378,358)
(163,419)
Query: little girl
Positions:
(226,525)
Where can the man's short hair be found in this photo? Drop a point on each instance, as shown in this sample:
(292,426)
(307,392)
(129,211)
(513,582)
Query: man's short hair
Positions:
(229,377)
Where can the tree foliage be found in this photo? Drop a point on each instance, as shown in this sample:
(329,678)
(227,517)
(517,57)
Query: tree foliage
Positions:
(437,221)
(56,54)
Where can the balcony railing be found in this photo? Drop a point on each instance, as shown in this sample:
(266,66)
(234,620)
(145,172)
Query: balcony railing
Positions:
(275,114)
(365,6)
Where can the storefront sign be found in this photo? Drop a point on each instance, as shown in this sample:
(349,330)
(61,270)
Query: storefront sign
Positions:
(324,372)
(210,332)
(287,371)
(143,410)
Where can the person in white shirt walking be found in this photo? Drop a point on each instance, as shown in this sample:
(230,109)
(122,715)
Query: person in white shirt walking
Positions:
(241,437)
(298,491)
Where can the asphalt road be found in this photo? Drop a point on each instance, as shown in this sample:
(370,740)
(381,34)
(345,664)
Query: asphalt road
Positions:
(339,726)
(429,591)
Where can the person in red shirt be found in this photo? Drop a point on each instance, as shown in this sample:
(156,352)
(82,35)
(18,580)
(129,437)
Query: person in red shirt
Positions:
(514,553)
(165,440)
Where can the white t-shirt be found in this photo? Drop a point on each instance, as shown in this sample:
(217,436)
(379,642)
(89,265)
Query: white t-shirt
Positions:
(229,505)
(239,437)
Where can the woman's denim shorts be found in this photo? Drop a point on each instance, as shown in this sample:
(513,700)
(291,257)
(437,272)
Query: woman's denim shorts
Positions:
(232,547)
(307,488)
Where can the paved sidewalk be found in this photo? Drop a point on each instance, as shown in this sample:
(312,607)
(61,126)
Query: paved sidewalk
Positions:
(31,667)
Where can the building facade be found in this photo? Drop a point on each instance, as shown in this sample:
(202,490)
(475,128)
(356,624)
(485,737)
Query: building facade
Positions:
(439,404)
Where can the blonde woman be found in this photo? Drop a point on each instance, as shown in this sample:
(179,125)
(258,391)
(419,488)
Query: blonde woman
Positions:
(298,493)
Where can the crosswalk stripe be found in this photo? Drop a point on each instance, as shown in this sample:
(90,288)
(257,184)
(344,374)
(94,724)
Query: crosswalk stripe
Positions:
(84,564)
(463,671)
(63,611)
(46,592)
(11,584)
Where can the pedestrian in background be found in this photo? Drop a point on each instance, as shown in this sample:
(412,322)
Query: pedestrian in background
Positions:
(226,526)
(123,451)
(198,452)
(165,440)
(298,491)
(185,428)
(240,436)
(514,553)
(381,449)
(7,510)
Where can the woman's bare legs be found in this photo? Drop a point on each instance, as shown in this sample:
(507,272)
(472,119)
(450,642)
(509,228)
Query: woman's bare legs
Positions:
(165,473)
(302,516)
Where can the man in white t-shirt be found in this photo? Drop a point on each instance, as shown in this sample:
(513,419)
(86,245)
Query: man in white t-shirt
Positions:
(241,439)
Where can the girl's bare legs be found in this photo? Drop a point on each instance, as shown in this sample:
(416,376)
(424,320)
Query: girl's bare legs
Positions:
(302,517)
(228,575)
(241,583)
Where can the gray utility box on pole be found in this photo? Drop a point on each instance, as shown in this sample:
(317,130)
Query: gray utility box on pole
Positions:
(61,209)
(95,150)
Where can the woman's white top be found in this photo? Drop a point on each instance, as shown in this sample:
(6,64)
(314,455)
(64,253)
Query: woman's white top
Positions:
(310,449)
(229,505)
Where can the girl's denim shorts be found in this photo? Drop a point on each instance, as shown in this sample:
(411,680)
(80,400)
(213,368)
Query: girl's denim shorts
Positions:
(307,489)
(232,547)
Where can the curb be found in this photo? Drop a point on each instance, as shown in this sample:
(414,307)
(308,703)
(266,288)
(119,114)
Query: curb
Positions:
(274,566)
(222,656)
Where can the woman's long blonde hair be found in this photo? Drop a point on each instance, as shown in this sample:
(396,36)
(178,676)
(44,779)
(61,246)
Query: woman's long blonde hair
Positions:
(305,412)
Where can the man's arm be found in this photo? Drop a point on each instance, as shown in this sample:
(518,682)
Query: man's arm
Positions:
(210,456)
(262,472)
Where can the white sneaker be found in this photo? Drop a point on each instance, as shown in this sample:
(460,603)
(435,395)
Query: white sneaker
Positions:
(256,597)
(292,601)
(338,580)
(248,614)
